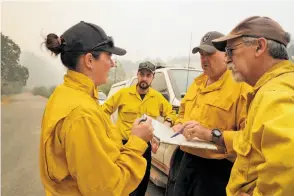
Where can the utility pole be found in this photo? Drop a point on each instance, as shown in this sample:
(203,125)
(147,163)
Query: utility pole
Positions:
(115,67)
(189,62)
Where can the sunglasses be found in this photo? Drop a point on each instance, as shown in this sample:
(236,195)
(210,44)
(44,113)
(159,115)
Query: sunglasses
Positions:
(229,50)
(108,43)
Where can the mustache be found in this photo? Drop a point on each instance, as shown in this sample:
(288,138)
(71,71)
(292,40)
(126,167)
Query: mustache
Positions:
(144,86)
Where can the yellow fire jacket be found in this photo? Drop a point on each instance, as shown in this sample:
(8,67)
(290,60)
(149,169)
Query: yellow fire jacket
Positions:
(80,151)
(265,148)
(130,106)
(220,105)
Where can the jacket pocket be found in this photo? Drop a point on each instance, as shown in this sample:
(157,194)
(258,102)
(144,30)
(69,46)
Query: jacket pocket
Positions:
(129,115)
(188,101)
(153,112)
(223,104)
(190,97)
(217,113)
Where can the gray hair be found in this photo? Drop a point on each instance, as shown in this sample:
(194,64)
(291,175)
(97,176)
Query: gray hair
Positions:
(275,49)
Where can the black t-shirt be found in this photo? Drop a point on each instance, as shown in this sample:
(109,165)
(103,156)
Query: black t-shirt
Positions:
(142,96)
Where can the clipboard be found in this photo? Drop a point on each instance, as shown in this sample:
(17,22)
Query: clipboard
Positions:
(163,134)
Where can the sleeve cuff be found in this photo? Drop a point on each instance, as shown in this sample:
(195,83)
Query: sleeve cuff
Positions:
(228,139)
(137,144)
(179,121)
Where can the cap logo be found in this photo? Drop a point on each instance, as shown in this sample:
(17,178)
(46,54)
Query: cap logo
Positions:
(205,38)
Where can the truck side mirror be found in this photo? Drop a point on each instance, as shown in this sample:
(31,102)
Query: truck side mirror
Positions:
(183,95)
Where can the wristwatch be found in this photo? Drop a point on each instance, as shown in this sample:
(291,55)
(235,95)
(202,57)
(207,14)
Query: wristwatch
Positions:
(169,120)
(216,134)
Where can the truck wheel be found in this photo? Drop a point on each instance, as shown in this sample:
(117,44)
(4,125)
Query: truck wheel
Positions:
(173,172)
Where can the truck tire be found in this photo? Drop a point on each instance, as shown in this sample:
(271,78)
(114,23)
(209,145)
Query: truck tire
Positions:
(173,172)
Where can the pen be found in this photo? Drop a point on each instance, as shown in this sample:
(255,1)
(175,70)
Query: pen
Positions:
(178,133)
(143,118)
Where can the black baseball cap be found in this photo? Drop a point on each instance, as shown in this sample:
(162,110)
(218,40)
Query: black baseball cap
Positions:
(147,65)
(206,42)
(88,37)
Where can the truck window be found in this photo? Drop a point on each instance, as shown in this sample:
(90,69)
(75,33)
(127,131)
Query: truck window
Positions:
(159,84)
(181,79)
(114,89)
(134,82)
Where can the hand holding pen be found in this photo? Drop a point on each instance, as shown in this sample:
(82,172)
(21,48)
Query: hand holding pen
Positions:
(143,130)
(178,129)
(154,141)
(178,133)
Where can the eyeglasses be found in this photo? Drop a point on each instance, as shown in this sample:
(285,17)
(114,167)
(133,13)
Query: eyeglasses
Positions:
(229,50)
(108,42)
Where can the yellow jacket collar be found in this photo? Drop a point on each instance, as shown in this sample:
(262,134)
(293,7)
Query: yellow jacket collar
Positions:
(276,70)
(202,79)
(80,82)
(150,92)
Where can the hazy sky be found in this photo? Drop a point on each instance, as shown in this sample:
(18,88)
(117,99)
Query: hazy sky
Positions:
(144,28)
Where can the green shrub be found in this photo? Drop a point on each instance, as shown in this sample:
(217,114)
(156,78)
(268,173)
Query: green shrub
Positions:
(43,91)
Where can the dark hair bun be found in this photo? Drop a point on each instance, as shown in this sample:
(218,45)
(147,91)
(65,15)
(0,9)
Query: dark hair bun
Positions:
(53,43)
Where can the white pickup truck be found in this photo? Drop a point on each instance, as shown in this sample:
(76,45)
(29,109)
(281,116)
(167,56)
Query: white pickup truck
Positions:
(173,84)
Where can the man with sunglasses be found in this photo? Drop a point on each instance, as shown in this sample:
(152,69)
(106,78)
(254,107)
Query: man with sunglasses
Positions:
(133,102)
(214,101)
(257,54)
(257,51)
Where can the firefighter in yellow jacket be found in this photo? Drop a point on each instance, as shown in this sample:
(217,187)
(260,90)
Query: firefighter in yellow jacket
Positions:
(216,101)
(133,102)
(80,153)
(257,54)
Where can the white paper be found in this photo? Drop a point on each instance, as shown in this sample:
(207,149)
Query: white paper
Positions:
(164,133)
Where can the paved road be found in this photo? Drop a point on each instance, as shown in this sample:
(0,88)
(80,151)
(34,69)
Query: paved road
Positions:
(20,144)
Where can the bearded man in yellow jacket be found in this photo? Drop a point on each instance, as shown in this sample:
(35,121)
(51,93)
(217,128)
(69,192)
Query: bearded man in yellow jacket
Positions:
(132,103)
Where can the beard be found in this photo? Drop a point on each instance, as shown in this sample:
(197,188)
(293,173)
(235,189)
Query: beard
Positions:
(238,77)
(144,85)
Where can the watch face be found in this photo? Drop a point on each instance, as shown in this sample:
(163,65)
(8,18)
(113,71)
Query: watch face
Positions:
(217,133)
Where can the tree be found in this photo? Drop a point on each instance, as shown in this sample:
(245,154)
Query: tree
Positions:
(43,91)
(116,74)
(105,88)
(13,75)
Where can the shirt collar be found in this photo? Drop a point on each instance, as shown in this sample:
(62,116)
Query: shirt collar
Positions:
(80,82)
(150,92)
(214,86)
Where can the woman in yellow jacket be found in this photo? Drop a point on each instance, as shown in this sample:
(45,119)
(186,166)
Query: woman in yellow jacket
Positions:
(80,153)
